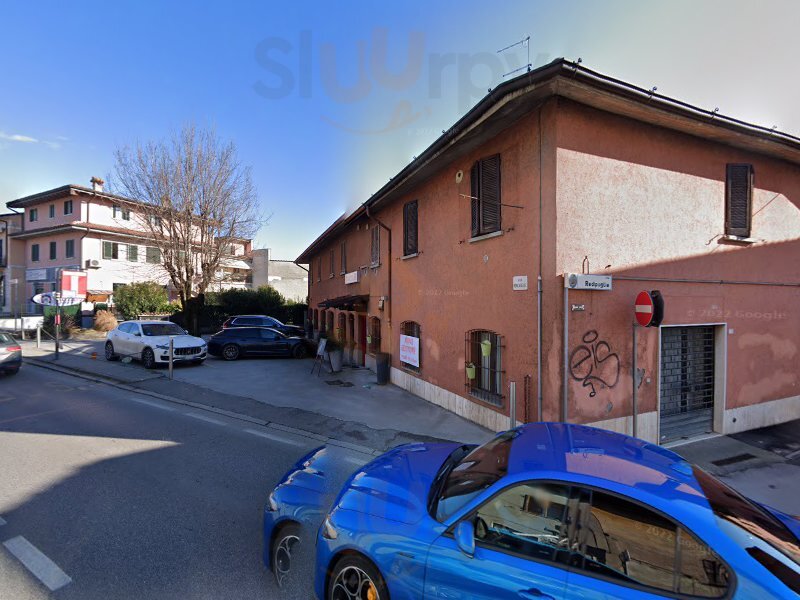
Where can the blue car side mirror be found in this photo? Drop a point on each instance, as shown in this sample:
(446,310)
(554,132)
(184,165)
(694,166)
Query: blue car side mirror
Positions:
(465,537)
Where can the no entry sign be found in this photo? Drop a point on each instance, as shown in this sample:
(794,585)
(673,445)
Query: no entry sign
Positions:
(644,309)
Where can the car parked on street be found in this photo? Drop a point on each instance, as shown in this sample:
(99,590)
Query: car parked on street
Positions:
(237,342)
(148,341)
(544,511)
(10,354)
(263,321)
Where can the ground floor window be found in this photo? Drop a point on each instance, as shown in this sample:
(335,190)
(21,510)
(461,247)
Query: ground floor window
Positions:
(410,357)
(374,335)
(341,328)
(484,368)
(323,321)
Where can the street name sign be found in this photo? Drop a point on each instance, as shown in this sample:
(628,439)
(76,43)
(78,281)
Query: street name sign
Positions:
(576,281)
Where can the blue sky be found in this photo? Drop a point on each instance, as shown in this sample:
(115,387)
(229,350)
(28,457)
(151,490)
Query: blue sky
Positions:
(286,83)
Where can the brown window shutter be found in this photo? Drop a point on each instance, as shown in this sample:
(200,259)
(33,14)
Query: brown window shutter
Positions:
(344,257)
(738,199)
(476,203)
(410,228)
(376,246)
(490,194)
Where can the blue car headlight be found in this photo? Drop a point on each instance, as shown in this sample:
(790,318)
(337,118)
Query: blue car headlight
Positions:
(328,530)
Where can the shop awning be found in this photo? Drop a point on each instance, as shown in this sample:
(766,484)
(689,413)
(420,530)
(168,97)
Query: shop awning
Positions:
(346,302)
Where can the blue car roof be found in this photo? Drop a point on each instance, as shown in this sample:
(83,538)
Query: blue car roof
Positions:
(588,452)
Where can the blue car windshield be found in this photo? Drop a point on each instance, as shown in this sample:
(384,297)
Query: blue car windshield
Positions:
(477,471)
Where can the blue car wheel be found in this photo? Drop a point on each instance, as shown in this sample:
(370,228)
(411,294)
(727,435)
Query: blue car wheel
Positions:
(283,548)
(355,578)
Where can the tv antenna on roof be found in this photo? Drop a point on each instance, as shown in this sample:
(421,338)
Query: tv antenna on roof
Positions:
(525,43)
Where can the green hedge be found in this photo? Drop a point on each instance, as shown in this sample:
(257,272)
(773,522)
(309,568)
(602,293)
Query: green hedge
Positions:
(219,306)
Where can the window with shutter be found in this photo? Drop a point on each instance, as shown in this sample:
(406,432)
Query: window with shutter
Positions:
(319,268)
(738,199)
(332,262)
(376,246)
(343,250)
(410,229)
(485,188)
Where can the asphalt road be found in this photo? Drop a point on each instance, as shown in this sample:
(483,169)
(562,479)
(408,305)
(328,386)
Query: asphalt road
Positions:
(108,494)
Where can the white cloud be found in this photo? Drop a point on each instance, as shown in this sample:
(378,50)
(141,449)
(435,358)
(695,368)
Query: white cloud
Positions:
(26,139)
(15,137)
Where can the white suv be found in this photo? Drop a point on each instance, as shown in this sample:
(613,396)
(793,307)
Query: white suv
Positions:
(148,341)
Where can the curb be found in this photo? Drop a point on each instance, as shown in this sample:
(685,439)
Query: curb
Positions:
(204,407)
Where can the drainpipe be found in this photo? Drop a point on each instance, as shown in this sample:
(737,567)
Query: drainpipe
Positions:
(389,231)
(539,289)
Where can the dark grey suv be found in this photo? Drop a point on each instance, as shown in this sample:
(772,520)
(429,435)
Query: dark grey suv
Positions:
(263,321)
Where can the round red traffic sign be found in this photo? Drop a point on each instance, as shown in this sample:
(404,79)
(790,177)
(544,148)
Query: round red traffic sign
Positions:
(644,309)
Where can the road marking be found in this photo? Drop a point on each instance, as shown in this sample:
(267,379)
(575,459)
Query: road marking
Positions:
(275,438)
(207,419)
(37,563)
(153,404)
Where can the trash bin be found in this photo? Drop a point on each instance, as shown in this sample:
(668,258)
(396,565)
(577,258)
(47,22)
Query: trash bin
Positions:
(382,362)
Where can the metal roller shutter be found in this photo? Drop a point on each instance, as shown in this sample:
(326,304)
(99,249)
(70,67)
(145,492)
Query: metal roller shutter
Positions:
(687,382)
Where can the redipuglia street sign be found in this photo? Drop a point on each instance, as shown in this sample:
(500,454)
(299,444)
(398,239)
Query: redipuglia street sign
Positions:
(575,281)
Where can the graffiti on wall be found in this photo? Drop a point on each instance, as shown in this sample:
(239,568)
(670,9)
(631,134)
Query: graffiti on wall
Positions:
(593,363)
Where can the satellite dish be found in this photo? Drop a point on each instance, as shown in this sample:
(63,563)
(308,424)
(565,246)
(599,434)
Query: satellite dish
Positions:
(459,176)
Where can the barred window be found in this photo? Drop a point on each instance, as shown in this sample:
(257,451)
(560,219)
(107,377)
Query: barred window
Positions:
(485,186)
(484,371)
(412,330)
(374,335)
(332,261)
(343,251)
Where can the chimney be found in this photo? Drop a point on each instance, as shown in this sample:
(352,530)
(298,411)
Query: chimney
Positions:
(97,184)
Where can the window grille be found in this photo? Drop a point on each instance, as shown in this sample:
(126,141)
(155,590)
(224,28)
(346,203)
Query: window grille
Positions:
(332,262)
(343,251)
(487,385)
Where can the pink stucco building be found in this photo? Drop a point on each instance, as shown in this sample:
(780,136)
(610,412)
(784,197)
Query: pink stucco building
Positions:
(467,251)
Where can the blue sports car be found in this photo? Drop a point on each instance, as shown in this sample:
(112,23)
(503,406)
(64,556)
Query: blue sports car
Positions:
(544,511)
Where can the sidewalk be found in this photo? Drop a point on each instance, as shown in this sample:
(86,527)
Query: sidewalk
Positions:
(347,407)
(763,464)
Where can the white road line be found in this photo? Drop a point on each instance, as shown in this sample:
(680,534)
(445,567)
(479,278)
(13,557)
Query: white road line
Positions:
(153,404)
(275,438)
(37,563)
(207,419)
(2,521)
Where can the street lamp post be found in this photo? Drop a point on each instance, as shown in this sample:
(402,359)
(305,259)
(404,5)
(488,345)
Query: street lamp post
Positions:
(57,297)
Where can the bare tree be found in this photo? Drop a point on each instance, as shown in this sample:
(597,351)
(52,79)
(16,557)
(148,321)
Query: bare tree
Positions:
(194,199)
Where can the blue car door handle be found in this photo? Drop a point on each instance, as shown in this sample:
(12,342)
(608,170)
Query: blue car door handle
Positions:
(534,594)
